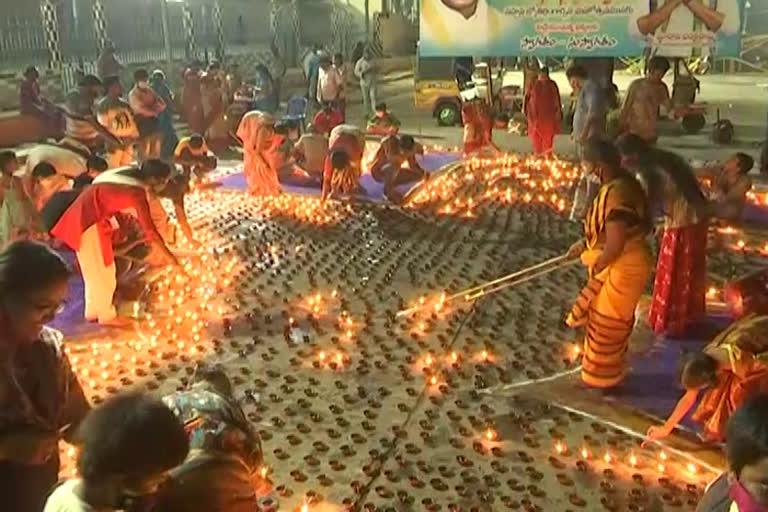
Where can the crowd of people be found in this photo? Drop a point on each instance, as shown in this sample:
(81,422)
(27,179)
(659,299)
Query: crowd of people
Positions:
(627,185)
(133,451)
(122,153)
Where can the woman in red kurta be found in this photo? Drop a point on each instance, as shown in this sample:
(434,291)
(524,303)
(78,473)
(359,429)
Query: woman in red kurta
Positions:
(544,113)
(86,228)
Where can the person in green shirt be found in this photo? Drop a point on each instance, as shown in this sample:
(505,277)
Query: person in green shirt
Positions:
(383,122)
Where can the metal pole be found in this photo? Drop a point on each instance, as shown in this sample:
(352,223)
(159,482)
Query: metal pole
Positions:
(166,31)
(367,20)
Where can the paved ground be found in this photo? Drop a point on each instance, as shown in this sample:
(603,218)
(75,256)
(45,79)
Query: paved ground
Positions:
(460,406)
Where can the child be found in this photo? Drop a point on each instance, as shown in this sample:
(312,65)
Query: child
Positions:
(383,122)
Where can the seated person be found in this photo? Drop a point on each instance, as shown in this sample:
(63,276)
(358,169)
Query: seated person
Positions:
(127,446)
(18,217)
(310,152)
(281,155)
(394,162)
(327,119)
(224,468)
(32,103)
(68,157)
(728,371)
(730,187)
(46,182)
(341,172)
(193,155)
(383,122)
(282,145)
(742,487)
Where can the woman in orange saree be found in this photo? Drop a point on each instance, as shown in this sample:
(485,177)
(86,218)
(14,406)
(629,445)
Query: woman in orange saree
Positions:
(732,368)
(256,131)
(619,262)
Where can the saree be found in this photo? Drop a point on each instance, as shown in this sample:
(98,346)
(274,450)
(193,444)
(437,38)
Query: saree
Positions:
(350,140)
(681,279)
(681,273)
(747,348)
(606,305)
(255,130)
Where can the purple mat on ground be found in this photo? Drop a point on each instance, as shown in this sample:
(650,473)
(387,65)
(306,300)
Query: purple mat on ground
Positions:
(71,321)
(652,385)
(431,162)
(756,214)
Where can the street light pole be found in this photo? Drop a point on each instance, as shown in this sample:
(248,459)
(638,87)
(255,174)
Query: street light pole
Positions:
(166,31)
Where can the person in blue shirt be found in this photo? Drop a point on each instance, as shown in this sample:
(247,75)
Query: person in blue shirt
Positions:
(588,122)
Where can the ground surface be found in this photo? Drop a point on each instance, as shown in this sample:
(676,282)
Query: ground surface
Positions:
(459,406)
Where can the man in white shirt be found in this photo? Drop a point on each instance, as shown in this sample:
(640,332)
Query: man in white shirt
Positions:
(329,84)
(678,26)
(465,27)
(365,71)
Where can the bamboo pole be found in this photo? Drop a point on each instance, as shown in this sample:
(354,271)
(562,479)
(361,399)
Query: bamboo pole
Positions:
(479,290)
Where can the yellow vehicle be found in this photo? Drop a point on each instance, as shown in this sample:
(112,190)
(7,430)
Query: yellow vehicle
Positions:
(436,87)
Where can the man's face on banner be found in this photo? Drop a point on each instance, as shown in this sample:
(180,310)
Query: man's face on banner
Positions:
(461,5)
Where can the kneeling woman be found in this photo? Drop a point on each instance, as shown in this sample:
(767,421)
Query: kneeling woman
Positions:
(343,165)
(619,265)
(729,370)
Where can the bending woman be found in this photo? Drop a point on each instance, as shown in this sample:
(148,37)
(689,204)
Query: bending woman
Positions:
(619,262)
(729,370)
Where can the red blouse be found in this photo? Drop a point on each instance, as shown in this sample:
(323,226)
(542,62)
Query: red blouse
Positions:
(96,205)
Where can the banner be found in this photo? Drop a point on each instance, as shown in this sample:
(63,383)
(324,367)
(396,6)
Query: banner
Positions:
(579,28)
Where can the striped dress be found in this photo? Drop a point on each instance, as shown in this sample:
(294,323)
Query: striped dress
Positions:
(606,305)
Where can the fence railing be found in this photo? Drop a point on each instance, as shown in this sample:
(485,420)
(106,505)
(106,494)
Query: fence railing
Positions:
(135,28)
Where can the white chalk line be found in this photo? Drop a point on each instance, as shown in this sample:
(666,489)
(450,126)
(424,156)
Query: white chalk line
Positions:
(599,419)
(530,382)
(638,435)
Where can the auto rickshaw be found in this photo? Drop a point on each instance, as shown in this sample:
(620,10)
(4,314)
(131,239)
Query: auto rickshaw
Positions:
(438,81)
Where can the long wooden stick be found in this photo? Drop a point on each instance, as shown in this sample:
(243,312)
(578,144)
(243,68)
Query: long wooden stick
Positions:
(522,280)
(513,275)
(478,289)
